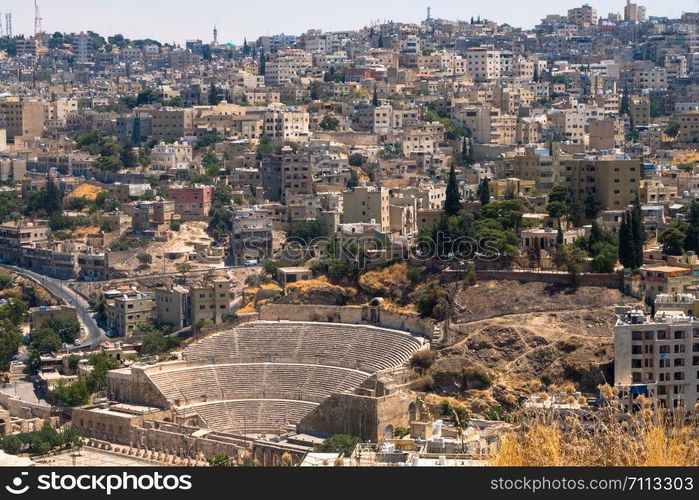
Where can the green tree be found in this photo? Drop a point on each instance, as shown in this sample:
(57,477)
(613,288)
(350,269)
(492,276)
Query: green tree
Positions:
(605,256)
(452,202)
(145,258)
(672,240)
(67,329)
(156,343)
(672,129)
(691,241)
(128,157)
(339,443)
(12,445)
(10,340)
(329,123)
(101,363)
(73,394)
(460,418)
(571,258)
(356,160)
(483,192)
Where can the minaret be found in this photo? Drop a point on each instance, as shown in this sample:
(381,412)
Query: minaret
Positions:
(429,13)
(215,36)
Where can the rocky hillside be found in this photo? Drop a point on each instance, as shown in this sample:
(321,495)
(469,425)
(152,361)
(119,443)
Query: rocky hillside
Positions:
(510,339)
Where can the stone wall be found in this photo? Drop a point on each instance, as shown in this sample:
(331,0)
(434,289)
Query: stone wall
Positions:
(611,280)
(349,138)
(352,315)
(23,409)
(363,416)
(134,386)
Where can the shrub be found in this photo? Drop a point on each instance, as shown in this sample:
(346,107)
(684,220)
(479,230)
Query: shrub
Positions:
(401,432)
(433,301)
(12,445)
(414,275)
(423,359)
(339,443)
(475,378)
(423,384)
(175,226)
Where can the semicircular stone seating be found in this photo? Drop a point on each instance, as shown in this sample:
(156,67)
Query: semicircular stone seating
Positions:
(269,375)
(374,349)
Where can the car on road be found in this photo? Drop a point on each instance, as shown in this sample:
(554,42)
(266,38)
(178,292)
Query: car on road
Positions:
(77,342)
(17,362)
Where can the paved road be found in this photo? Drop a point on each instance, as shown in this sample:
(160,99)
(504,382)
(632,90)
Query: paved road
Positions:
(94,334)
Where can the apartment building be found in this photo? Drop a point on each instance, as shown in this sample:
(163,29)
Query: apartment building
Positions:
(287,66)
(613,181)
(286,124)
(482,64)
(567,126)
(487,123)
(167,157)
(22,117)
(210,301)
(173,305)
(126,309)
(297,176)
(605,134)
(657,357)
(639,109)
(15,235)
(195,201)
(365,204)
(251,239)
(583,17)
(689,126)
(172,123)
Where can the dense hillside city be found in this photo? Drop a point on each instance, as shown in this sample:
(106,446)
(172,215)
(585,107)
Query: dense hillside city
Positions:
(452,242)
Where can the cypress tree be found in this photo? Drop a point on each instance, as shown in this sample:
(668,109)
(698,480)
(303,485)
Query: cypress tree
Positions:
(484,192)
(638,233)
(452,203)
(691,240)
(625,242)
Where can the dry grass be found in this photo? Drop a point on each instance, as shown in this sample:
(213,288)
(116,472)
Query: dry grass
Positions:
(87,191)
(385,282)
(606,437)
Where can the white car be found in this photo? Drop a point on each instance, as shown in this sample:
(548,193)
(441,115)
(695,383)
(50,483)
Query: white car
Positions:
(77,342)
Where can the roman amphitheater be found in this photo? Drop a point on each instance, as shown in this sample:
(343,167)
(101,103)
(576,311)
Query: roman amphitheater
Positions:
(269,386)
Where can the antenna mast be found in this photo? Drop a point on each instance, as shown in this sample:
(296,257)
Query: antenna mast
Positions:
(37,19)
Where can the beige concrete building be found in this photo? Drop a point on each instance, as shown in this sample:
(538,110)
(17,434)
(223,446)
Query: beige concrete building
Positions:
(584,16)
(366,204)
(286,124)
(211,300)
(22,117)
(658,356)
(689,126)
(172,123)
(166,157)
(639,109)
(126,310)
(173,305)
